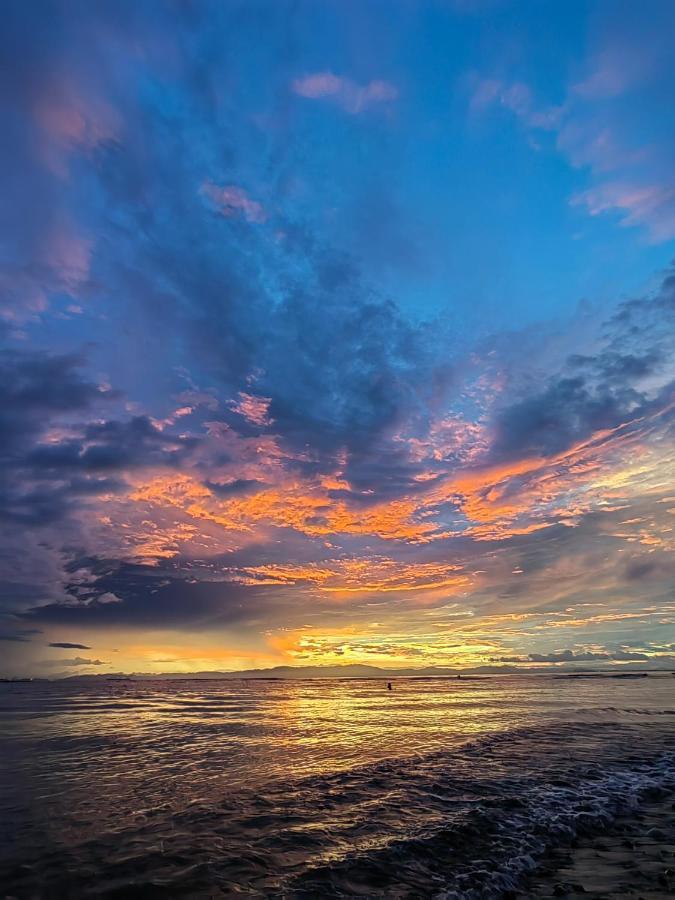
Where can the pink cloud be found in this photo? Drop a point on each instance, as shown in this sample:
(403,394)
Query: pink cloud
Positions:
(616,69)
(62,265)
(72,120)
(322,84)
(591,133)
(232,200)
(254,409)
(352,97)
(485,92)
(652,206)
(21,296)
(517,98)
(68,256)
(588,143)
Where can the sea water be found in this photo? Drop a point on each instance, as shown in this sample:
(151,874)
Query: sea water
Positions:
(322,788)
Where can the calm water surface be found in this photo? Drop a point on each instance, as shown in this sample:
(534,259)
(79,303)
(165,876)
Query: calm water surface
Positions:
(316,788)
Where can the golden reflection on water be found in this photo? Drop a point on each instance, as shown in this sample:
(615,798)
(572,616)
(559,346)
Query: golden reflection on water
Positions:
(298,714)
(92,756)
(340,724)
(163,744)
(248,731)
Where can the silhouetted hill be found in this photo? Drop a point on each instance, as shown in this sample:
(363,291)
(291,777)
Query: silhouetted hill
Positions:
(355,670)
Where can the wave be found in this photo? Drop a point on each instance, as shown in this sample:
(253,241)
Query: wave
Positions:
(488,853)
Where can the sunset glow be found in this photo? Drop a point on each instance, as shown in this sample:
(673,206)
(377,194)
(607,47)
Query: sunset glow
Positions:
(312,355)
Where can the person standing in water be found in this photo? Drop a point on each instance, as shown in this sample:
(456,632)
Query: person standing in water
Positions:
(389,685)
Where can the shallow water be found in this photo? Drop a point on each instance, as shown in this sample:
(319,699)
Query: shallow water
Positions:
(316,788)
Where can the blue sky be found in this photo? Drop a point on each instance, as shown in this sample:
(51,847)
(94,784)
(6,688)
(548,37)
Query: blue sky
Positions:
(317,312)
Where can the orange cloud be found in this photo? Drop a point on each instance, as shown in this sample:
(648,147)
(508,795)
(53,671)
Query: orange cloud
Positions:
(363,575)
(483,503)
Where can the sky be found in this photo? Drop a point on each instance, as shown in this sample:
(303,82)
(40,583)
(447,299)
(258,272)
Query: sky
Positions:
(336,332)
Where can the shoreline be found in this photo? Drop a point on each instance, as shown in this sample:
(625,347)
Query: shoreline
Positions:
(634,857)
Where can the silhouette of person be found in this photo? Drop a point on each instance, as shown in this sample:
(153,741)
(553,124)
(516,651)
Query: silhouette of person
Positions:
(389,685)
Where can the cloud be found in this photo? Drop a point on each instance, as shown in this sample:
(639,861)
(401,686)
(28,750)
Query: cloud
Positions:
(34,386)
(146,595)
(37,390)
(70,119)
(611,120)
(254,409)
(75,661)
(565,656)
(629,655)
(649,205)
(21,636)
(53,454)
(66,646)
(213,523)
(628,378)
(284,445)
(350,96)
(236,487)
(111,446)
(232,200)
(516,97)
(379,575)
(628,164)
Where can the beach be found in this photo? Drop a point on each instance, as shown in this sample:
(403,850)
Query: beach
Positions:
(634,857)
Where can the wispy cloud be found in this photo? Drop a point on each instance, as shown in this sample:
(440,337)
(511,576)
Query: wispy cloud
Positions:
(649,206)
(609,121)
(352,97)
(232,200)
(516,97)
(75,661)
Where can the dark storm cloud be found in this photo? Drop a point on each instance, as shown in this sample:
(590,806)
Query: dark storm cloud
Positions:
(339,366)
(127,595)
(41,479)
(619,367)
(235,488)
(568,410)
(357,369)
(35,390)
(64,645)
(596,392)
(382,472)
(573,656)
(35,386)
(113,445)
(50,502)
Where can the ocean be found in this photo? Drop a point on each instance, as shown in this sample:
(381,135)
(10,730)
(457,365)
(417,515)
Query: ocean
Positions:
(322,788)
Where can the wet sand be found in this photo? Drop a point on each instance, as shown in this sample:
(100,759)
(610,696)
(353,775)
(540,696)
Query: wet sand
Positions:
(634,858)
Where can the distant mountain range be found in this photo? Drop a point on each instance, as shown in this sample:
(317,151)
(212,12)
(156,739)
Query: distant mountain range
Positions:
(354,670)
